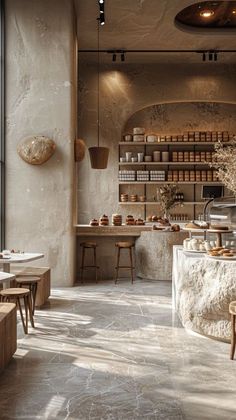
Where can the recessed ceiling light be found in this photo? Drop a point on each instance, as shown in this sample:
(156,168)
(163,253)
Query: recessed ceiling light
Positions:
(234,12)
(207,13)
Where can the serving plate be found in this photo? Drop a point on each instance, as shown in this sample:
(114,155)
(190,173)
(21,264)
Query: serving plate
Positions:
(220,258)
(195,251)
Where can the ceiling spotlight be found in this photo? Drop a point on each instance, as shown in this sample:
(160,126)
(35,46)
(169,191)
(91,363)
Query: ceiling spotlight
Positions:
(207,13)
(101,8)
(122,57)
(210,56)
(234,12)
(204,56)
(114,57)
(102,19)
(101,1)
(215,56)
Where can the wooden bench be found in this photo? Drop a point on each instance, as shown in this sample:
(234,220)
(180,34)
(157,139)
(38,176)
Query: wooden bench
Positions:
(8,335)
(44,285)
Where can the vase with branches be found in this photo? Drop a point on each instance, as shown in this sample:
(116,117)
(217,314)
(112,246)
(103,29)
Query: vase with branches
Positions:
(166,195)
(224,161)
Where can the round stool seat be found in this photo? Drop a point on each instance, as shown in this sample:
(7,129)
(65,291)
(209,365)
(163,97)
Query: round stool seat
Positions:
(15,291)
(232,308)
(27,280)
(88,244)
(125,244)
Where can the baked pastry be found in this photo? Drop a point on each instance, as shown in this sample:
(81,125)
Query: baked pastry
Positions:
(175,228)
(94,222)
(149,218)
(104,220)
(139,222)
(154,218)
(192,225)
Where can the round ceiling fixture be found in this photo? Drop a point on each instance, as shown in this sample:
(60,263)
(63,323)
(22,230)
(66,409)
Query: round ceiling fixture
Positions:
(207,13)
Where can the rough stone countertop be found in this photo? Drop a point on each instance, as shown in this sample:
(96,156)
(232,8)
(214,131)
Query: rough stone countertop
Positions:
(202,291)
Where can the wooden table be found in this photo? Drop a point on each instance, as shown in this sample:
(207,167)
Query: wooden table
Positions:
(18,258)
(5,279)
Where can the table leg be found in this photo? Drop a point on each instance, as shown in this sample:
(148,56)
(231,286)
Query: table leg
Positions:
(6,267)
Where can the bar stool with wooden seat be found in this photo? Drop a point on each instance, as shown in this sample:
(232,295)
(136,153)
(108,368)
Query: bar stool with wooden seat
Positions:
(15,295)
(128,246)
(93,246)
(30,283)
(232,311)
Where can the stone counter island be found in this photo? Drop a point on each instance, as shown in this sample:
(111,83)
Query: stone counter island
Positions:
(202,291)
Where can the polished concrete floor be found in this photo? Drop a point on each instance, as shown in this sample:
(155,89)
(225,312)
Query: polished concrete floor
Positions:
(106,352)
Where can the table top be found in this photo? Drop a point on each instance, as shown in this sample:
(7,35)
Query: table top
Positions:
(6,276)
(21,257)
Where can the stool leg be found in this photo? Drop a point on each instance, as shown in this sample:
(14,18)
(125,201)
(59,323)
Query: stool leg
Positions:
(29,305)
(131,262)
(34,294)
(232,350)
(95,263)
(24,322)
(117,264)
(82,265)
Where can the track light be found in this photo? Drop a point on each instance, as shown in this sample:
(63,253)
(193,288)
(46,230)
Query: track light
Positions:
(122,56)
(114,57)
(210,56)
(215,56)
(204,56)
(101,4)
(102,19)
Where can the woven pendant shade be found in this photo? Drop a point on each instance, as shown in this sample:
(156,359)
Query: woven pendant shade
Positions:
(98,157)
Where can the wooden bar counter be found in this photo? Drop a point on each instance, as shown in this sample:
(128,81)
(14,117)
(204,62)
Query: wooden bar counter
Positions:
(153,249)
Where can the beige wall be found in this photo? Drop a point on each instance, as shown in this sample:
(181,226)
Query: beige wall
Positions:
(40,99)
(128,88)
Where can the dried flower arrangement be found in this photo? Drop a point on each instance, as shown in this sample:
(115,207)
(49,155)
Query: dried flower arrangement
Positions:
(166,195)
(224,161)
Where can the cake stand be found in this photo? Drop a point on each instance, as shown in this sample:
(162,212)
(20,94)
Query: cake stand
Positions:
(219,234)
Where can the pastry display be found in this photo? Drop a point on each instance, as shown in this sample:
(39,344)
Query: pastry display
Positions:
(130,220)
(104,220)
(220,251)
(116,220)
(94,222)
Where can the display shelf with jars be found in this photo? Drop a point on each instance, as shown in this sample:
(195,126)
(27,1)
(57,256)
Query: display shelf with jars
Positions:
(147,161)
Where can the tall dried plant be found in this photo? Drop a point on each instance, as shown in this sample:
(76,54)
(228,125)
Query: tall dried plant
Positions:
(224,161)
(167,197)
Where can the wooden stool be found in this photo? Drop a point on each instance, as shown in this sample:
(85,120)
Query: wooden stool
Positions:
(15,295)
(30,283)
(129,246)
(89,245)
(232,311)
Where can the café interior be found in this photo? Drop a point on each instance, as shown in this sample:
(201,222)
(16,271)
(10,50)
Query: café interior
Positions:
(118,210)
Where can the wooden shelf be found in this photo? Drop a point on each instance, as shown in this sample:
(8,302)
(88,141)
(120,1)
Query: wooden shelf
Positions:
(153,203)
(162,163)
(169,182)
(171,143)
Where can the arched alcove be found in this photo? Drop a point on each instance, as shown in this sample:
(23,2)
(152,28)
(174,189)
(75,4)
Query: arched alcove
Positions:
(176,117)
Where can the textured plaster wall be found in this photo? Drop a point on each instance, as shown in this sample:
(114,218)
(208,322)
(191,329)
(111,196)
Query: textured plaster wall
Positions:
(128,88)
(40,99)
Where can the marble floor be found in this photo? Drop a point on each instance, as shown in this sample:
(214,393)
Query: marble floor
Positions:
(106,352)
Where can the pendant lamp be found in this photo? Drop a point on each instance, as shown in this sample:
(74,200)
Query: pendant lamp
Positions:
(98,155)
